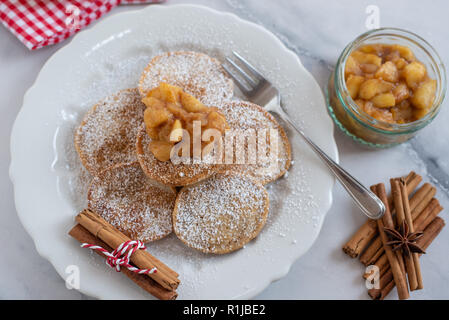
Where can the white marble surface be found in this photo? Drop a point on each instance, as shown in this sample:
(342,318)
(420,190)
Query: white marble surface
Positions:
(317,31)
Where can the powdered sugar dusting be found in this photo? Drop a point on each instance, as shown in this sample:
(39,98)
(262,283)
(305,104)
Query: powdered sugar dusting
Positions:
(242,115)
(132,203)
(196,73)
(108,132)
(220,214)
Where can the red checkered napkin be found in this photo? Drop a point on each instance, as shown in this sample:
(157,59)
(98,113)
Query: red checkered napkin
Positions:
(41,23)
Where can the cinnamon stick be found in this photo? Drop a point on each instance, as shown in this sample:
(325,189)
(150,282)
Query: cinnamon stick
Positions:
(412,181)
(431,232)
(373,252)
(418,202)
(98,227)
(361,238)
(409,220)
(386,283)
(146,283)
(429,213)
(423,197)
(368,231)
(402,206)
(393,258)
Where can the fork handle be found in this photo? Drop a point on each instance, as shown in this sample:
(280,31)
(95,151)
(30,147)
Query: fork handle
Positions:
(367,201)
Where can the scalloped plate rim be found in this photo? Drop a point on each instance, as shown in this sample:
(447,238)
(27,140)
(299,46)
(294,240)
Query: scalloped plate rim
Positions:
(45,250)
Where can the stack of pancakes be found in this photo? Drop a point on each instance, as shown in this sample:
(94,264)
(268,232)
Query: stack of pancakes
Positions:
(215,208)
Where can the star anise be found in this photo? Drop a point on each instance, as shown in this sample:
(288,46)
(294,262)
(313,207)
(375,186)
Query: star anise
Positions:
(403,239)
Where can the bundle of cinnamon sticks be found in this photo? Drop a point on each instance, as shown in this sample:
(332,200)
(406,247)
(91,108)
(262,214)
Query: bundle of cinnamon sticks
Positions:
(405,208)
(92,229)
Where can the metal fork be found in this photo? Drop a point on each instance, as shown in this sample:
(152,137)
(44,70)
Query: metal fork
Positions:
(259,90)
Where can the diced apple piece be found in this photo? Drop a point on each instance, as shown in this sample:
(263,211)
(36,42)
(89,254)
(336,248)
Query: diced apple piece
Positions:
(353,84)
(388,72)
(379,114)
(419,113)
(352,67)
(153,102)
(217,121)
(384,100)
(371,48)
(177,124)
(165,130)
(154,117)
(383,115)
(405,52)
(161,150)
(169,93)
(176,110)
(367,49)
(370,58)
(176,131)
(414,73)
(400,63)
(368,68)
(425,94)
(152,132)
(392,56)
(155,93)
(404,104)
(403,112)
(373,87)
(191,104)
(401,92)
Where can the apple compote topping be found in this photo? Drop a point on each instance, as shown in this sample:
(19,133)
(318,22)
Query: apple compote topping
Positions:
(170,108)
(389,83)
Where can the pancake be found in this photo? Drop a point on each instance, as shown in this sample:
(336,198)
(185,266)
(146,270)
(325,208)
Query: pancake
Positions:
(108,131)
(221,214)
(134,204)
(243,115)
(167,172)
(196,73)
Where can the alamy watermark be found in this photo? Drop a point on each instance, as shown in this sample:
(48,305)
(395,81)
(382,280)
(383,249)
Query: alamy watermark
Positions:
(236,146)
(72,281)
(373,19)
(373,280)
(72,21)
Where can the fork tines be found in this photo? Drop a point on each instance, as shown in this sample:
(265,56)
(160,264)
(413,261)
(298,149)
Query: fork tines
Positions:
(246,78)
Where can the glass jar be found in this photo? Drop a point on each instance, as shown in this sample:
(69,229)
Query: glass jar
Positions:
(361,126)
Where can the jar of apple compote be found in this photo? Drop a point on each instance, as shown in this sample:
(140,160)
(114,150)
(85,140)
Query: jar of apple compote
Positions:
(386,86)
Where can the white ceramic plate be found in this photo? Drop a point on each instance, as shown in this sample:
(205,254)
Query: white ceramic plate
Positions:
(49,182)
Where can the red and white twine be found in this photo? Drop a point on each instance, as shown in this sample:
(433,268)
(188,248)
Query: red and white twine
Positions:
(122,255)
